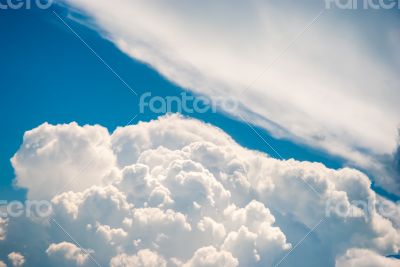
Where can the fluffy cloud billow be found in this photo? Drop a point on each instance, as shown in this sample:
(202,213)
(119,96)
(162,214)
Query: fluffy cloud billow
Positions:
(179,192)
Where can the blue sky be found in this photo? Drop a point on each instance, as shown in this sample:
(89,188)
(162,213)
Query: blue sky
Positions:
(330,97)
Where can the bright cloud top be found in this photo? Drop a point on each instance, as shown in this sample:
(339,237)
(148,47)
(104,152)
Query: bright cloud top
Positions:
(16,259)
(336,88)
(178,192)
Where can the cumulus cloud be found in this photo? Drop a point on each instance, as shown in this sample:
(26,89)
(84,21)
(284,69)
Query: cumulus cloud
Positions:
(144,258)
(179,192)
(2,264)
(350,114)
(3,228)
(365,258)
(210,257)
(74,145)
(16,259)
(69,252)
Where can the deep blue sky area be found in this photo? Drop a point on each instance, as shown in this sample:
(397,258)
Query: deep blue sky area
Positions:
(49,75)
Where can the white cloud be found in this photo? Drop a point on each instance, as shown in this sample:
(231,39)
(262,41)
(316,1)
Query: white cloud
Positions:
(144,258)
(333,89)
(16,258)
(365,258)
(2,264)
(211,228)
(3,228)
(210,257)
(185,193)
(61,151)
(109,233)
(69,252)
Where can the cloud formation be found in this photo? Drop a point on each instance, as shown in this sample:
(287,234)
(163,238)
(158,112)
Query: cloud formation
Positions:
(179,192)
(365,258)
(144,258)
(69,252)
(335,88)
(3,228)
(16,259)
